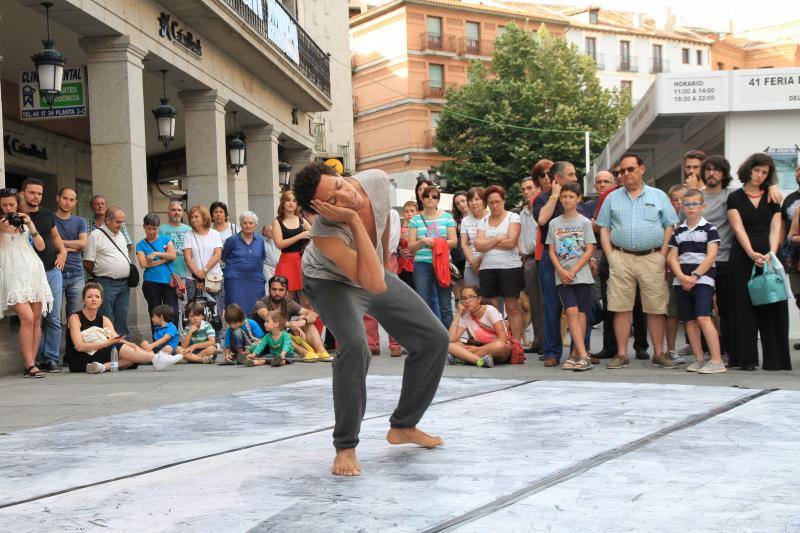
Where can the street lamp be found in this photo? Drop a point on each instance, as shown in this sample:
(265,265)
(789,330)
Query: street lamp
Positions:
(49,65)
(165,116)
(432,173)
(442,182)
(236,148)
(285,175)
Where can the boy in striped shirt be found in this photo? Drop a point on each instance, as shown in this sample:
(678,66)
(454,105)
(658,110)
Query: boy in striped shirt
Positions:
(693,251)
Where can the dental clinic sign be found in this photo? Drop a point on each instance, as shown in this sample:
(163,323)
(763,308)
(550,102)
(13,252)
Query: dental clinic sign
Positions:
(70,103)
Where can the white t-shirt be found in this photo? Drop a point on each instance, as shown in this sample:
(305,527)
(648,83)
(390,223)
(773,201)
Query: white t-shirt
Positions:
(496,258)
(230,229)
(470,226)
(490,317)
(202,247)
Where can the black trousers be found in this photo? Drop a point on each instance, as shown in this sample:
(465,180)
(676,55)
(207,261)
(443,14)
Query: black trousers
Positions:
(160,293)
(639,319)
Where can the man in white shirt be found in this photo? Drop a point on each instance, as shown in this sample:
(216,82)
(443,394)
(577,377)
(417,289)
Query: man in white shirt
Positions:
(527,250)
(107,261)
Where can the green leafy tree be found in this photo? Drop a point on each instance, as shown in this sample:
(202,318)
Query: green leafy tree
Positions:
(534,101)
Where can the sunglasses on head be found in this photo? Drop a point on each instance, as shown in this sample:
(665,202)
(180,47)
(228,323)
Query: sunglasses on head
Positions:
(6,192)
(280,279)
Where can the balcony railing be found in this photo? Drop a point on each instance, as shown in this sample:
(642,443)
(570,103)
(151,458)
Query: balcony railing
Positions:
(438,42)
(475,47)
(599,61)
(314,63)
(658,65)
(435,89)
(627,64)
(430,139)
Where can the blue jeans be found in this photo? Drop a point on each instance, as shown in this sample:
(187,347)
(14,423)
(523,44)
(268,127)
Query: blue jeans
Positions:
(73,290)
(552,307)
(116,295)
(50,345)
(427,287)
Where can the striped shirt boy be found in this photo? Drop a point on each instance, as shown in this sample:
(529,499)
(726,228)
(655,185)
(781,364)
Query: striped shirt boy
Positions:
(692,245)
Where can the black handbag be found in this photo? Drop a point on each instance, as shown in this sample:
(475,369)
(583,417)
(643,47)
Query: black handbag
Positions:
(133,274)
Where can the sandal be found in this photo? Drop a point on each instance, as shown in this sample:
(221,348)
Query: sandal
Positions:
(30,373)
(583,364)
(569,364)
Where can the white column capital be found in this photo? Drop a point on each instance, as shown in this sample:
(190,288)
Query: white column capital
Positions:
(261,133)
(111,49)
(203,100)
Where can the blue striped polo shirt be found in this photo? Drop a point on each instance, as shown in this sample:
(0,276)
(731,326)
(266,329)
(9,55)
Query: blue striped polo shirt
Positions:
(637,223)
(692,245)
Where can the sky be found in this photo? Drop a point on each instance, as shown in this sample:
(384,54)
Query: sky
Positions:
(708,14)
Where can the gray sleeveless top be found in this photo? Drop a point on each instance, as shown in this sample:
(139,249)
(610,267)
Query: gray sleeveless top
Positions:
(315,265)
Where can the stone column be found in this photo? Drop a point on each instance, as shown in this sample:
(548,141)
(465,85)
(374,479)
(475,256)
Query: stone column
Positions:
(237,192)
(298,158)
(206,163)
(119,157)
(263,184)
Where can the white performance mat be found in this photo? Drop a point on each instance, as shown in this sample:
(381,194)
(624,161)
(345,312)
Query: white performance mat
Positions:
(519,456)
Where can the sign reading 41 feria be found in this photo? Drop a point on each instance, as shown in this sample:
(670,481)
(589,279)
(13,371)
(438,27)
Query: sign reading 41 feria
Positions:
(69,104)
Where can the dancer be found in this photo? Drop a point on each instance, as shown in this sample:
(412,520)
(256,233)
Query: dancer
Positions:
(345,274)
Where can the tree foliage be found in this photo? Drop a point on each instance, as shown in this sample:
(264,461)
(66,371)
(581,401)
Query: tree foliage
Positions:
(534,81)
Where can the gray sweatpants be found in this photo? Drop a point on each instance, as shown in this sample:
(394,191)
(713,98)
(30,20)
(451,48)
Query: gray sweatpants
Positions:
(407,318)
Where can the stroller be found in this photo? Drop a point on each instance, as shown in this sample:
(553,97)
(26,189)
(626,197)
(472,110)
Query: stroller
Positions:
(210,314)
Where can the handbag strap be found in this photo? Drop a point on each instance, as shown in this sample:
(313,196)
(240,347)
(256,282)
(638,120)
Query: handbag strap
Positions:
(115,246)
(168,263)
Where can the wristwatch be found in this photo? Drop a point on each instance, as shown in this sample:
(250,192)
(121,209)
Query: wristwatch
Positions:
(34,234)
(696,275)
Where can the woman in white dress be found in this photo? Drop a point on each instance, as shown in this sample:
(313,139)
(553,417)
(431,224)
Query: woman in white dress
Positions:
(23,283)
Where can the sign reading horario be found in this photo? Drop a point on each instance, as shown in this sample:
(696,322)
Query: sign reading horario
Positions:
(69,104)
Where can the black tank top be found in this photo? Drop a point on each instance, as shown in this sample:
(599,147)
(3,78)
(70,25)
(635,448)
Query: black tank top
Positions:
(70,350)
(298,246)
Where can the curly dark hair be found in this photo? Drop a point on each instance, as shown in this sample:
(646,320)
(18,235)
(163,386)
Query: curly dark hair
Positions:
(717,162)
(306,182)
(759,159)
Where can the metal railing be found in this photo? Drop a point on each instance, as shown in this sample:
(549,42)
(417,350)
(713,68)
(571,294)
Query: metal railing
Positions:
(627,64)
(434,89)
(475,47)
(438,42)
(658,65)
(599,60)
(314,62)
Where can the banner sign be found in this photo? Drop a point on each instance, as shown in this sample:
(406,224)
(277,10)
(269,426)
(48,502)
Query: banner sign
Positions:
(70,103)
(786,160)
(282,30)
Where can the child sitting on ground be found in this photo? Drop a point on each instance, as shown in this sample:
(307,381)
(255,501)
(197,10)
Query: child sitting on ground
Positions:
(165,334)
(199,340)
(277,343)
(242,332)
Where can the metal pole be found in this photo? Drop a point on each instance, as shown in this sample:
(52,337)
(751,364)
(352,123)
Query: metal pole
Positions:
(587,156)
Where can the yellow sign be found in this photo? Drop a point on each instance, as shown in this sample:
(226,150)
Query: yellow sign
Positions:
(335,164)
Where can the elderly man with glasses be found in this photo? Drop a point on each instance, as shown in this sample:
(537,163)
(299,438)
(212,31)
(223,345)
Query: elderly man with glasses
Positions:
(635,226)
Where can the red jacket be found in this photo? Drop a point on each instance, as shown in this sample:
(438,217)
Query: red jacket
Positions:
(441,261)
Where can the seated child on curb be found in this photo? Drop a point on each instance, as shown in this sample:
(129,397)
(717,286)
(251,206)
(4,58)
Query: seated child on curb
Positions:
(478,333)
(165,334)
(242,332)
(276,345)
(199,340)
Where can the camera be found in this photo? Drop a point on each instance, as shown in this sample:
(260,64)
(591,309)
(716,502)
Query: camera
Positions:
(15,219)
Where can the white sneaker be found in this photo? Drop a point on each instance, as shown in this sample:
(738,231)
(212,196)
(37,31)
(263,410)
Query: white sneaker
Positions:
(713,368)
(163,360)
(685,350)
(95,368)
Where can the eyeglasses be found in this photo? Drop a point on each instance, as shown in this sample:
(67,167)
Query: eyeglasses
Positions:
(713,170)
(469,298)
(434,196)
(627,170)
(615,173)
(602,182)
(692,204)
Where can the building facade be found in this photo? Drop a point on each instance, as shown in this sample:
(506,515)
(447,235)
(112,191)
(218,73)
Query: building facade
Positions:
(770,47)
(406,55)
(630,49)
(229,67)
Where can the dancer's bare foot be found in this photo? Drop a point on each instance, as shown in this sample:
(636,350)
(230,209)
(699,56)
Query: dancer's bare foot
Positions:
(413,436)
(345,463)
